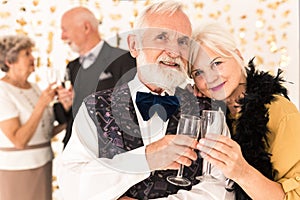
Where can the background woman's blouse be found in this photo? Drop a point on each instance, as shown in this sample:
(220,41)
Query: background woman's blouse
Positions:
(17,102)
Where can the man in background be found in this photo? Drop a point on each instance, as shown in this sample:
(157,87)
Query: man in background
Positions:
(99,65)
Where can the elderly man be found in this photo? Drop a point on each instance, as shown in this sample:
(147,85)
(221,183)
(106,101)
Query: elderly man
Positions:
(123,147)
(98,67)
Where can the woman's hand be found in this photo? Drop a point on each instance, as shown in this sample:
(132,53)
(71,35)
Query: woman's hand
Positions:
(47,95)
(225,154)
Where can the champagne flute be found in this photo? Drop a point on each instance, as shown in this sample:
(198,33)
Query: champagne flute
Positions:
(188,125)
(53,76)
(212,123)
(67,79)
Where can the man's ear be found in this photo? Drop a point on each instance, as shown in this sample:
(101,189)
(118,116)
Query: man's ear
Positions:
(132,45)
(87,27)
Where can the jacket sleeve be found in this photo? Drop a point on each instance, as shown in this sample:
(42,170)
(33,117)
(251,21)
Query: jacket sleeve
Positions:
(60,114)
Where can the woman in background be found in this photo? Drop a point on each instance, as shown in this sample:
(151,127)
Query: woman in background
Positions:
(26,125)
(263,156)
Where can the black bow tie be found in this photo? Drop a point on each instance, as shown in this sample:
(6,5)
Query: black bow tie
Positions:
(149,104)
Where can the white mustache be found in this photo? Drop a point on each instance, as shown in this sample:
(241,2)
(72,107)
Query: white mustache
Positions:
(176,61)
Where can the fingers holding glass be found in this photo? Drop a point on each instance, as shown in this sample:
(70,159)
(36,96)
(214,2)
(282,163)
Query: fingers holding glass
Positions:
(190,126)
(53,76)
(67,79)
(212,125)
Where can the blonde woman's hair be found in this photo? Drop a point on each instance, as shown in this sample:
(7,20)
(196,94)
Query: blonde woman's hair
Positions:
(10,47)
(219,40)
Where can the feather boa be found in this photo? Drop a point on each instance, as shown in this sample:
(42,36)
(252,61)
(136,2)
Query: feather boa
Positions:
(251,127)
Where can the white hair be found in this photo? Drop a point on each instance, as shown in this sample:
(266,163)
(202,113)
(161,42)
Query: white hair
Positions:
(161,7)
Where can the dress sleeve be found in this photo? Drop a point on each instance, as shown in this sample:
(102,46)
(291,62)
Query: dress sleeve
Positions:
(285,148)
(8,108)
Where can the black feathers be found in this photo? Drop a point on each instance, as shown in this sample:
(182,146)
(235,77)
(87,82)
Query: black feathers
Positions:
(251,130)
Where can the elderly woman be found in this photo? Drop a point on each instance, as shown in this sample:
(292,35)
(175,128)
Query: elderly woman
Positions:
(26,125)
(263,156)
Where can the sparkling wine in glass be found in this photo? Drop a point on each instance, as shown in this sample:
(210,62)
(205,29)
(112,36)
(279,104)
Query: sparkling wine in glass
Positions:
(188,125)
(67,79)
(212,122)
(53,77)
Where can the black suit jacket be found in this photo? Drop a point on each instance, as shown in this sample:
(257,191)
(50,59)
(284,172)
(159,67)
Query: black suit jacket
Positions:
(113,61)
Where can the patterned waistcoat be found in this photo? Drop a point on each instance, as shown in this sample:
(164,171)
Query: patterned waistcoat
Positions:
(118,131)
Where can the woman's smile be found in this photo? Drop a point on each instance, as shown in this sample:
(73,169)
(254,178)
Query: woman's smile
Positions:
(218,87)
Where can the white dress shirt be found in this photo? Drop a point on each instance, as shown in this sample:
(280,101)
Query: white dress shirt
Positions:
(82,175)
(90,57)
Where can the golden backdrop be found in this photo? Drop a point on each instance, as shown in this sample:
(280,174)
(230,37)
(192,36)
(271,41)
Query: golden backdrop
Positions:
(266,29)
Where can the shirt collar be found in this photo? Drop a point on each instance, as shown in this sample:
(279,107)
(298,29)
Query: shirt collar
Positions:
(151,130)
(93,53)
(135,85)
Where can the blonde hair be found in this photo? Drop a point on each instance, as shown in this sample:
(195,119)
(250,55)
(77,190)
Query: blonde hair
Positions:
(217,39)
(10,47)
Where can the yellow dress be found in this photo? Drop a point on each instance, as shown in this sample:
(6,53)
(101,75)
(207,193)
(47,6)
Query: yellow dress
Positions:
(284,139)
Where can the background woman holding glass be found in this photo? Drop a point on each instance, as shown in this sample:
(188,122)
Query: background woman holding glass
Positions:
(262,158)
(26,125)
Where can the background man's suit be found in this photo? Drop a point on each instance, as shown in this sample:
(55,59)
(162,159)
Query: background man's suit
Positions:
(112,63)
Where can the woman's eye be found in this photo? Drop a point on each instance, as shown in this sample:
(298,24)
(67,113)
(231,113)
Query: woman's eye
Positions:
(215,64)
(27,53)
(197,73)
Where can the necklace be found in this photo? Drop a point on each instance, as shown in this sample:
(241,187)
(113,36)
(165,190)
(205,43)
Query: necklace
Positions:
(18,84)
(32,104)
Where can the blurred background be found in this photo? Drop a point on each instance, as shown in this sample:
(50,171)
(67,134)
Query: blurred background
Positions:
(266,29)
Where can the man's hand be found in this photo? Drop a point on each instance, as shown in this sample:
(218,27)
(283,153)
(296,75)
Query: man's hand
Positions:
(65,97)
(171,151)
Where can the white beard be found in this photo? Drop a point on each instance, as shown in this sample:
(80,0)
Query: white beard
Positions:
(74,47)
(166,78)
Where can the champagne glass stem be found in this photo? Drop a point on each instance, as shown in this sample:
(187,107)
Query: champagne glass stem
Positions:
(208,168)
(190,126)
(180,171)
